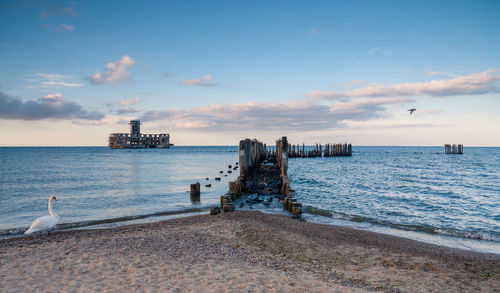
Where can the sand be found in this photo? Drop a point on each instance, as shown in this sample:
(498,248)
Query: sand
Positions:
(239,252)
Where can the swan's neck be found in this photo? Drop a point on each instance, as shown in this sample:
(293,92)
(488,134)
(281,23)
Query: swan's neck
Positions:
(51,211)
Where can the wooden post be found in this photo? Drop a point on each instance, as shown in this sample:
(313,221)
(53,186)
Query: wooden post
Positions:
(447,149)
(195,188)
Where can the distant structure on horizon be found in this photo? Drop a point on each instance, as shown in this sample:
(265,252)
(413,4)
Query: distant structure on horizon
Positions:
(453,149)
(137,140)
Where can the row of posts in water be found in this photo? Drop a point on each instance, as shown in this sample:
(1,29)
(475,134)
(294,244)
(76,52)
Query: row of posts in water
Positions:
(453,149)
(328,150)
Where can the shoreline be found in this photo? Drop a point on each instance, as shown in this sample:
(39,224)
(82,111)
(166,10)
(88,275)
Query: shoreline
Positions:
(244,250)
(450,241)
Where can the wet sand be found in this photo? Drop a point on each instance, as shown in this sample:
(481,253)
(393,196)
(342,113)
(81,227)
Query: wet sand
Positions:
(240,251)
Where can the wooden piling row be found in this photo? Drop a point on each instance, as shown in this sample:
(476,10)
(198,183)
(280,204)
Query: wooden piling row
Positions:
(289,202)
(262,172)
(329,150)
(453,149)
(251,154)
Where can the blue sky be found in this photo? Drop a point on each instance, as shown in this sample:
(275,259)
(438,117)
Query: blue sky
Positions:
(213,72)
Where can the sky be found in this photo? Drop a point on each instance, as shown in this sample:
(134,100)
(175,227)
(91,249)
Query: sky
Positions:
(215,72)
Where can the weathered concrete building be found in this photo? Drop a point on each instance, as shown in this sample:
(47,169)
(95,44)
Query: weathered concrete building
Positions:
(136,139)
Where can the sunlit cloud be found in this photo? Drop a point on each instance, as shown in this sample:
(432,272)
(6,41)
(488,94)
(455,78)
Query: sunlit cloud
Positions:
(131,101)
(439,73)
(52,80)
(356,82)
(52,106)
(472,84)
(116,72)
(61,27)
(54,10)
(314,31)
(378,51)
(298,115)
(125,106)
(202,81)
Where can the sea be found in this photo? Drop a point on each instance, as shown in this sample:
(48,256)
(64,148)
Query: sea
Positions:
(413,192)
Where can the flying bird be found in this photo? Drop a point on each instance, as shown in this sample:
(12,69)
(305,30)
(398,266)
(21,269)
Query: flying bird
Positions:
(45,222)
(412,110)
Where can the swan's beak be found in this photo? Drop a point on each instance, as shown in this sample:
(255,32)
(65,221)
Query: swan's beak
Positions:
(55,198)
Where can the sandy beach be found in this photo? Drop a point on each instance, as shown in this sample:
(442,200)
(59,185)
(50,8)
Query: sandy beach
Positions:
(240,251)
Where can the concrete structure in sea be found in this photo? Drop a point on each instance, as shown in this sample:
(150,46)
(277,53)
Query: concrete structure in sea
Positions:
(136,139)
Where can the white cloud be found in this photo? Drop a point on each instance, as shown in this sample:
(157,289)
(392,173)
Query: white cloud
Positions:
(52,80)
(116,72)
(356,82)
(131,101)
(434,73)
(125,106)
(378,50)
(314,31)
(202,81)
(51,76)
(472,84)
(301,115)
(52,83)
(324,95)
(54,10)
(61,27)
(65,27)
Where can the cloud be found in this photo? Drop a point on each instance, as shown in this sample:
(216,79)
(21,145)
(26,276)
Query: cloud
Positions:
(51,76)
(430,111)
(61,27)
(434,73)
(314,31)
(58,10)
(125,106)
(297,115)
(325,95)
(202,81)
(51,106)
(52,80)
(378,50)
(127,110)
(356,82)
(472,84)
(128,102)
(116,72)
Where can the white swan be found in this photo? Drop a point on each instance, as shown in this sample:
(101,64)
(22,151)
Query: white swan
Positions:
(45,222)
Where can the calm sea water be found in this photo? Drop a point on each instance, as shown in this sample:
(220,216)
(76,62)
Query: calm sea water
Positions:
(408,188)
(98,183)
(403,188)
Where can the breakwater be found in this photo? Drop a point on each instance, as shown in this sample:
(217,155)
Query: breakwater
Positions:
(263,174)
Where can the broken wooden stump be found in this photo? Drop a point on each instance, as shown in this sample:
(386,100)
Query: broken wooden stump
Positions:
(195,188)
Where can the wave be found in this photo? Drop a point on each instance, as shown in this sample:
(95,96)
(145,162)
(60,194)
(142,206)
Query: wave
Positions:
(477,235)
(66,226)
